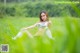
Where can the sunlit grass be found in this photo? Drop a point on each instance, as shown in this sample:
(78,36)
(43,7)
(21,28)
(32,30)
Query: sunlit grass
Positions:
(65,30)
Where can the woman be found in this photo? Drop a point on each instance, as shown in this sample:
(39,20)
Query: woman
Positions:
(43,26)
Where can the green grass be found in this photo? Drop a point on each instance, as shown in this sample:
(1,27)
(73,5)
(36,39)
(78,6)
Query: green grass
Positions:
(65,30)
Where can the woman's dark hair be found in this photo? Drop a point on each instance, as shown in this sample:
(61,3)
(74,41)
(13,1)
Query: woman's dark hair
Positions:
(46,16)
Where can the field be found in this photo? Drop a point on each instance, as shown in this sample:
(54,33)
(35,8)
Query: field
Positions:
(65,30)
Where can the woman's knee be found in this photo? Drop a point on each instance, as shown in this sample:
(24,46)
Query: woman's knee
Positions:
(22,30)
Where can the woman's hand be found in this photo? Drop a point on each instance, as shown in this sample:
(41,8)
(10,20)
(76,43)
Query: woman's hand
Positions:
(49,24)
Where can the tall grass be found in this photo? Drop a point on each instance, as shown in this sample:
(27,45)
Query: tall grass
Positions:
(65,30)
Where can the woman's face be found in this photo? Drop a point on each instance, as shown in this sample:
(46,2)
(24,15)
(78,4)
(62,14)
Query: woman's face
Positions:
(43,16)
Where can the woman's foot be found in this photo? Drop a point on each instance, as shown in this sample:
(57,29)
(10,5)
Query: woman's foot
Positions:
(14,38)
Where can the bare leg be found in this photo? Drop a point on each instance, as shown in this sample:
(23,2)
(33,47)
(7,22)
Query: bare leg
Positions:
(18,35)
(39,33)
(21,33)
(29,34)
(48,33)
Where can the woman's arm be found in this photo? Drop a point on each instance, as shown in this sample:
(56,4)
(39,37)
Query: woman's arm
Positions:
(25,28)
(49,24)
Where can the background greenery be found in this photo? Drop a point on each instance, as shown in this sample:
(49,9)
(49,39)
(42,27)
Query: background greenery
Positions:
(65,17)
(32,9)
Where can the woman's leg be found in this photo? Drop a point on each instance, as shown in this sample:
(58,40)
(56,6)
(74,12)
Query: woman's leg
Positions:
(29,34)
(39,33)
(21,33)
(18,35)
(48,33)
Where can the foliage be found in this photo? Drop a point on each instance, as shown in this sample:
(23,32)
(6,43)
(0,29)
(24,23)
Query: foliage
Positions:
(65,30)
(32,9)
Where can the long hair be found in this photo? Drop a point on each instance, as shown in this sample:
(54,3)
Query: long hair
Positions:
(47,19)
